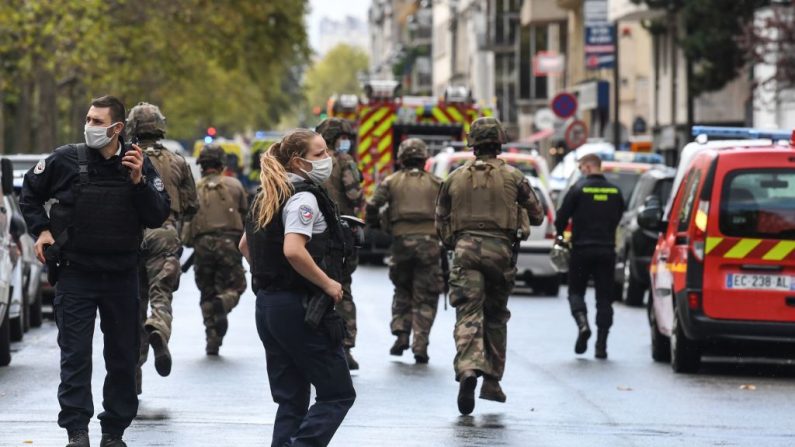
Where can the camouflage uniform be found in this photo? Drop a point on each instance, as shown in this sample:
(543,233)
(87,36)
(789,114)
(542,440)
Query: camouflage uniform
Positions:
(215,232)
(483,208)
(345,189)
(161,247)
(415,269)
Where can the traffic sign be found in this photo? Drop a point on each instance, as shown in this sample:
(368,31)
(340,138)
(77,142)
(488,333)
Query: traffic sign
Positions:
(544,119)
(576,134)
(564,105)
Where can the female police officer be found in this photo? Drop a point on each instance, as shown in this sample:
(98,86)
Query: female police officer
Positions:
(293,242)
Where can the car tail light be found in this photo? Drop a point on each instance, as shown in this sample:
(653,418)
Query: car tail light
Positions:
(700,231)
(550,234)
(693,300)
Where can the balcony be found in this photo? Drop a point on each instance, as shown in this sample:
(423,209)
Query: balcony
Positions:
(627,10)
(542,11)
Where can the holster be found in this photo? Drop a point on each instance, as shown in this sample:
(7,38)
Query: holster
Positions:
(51,256)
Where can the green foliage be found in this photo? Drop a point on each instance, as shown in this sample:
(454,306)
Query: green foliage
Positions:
(336,73)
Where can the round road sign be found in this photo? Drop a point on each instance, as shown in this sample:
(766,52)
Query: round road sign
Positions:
(544,119)
(564,105)
(576,134)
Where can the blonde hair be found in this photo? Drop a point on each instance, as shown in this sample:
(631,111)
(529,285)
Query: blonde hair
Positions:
(276,188)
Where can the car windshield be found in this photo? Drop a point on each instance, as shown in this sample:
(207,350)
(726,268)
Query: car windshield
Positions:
(528,167)
(759,203)
(625,181)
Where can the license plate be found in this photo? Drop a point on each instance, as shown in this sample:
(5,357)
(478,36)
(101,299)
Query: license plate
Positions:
(759,282)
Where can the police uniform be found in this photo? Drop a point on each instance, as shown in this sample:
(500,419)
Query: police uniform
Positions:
(298,355)
(409,198)
(96,222)
(483,210)
(595,207)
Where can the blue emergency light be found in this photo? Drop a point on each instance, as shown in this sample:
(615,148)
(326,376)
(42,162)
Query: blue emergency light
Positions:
(742,133)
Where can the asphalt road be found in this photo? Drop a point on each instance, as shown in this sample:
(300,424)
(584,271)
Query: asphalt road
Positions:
(555,398)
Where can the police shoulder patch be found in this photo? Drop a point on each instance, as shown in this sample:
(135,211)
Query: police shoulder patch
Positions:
(158,184)
(39,167)
(305,213)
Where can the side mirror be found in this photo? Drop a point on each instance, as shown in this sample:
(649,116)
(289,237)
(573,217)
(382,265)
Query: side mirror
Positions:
(650,215)
(7,171)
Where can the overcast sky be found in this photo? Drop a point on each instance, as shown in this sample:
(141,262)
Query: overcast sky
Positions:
(335,9)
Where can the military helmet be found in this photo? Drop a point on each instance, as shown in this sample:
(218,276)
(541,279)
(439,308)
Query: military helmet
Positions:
(485,131)
(559,256)
(412,148)
(211,154)
(333,128)
(146,119)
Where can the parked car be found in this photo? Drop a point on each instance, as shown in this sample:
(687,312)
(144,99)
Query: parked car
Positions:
(565,168)
(22,163)
(531,164)
(722,271)
(533,264)
(26,285)
(6,266)
(634,245)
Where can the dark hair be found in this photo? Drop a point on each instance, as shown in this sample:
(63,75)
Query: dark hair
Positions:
(117,111)
(591,159)
(414,162)
(488,148)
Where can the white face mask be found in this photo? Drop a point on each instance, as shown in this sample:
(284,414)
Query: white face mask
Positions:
(97,136)
(345,146)
(321,169)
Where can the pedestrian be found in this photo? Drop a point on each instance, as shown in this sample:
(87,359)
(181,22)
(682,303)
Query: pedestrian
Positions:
(344,187)
(105,193)
(214,233)
(595,207)
(408,197)
(485,208)
(161,247)
(295,246)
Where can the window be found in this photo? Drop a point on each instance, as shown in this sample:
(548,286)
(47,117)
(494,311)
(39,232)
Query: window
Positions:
(689,199)
(662,189)
(625,180)
(759,203)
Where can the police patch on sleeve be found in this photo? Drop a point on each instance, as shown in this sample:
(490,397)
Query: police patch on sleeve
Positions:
(39,167)
(158,184)
(305,214)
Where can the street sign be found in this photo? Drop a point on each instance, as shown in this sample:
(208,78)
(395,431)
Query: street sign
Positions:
(548,63)
(544,119)
(576,134)
(564,105)
(600,36)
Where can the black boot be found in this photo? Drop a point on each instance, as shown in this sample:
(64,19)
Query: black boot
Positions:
(466,392)
(109,440)
(601,344)
(78,438)
(162,355)
(583,332)
(400,345)
(221,323)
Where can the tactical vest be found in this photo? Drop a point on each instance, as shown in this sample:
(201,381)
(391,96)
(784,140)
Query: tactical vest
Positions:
(270,268)
(484,194)
(412,207)
(103,219)
(218,209)
(166,167)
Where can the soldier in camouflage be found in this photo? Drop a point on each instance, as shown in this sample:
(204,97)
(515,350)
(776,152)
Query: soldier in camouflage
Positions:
(484,209)
(161,247)
(408,199)
(344,187)
(214,234)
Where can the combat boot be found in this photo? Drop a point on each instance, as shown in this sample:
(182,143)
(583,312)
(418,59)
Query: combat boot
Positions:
(352,363)
(400,345)
(466,391)
(221,322)
(162,355)
(212,347)
(78,438)
(601,344)
(109,440)
(491,390)
(583,332)
(421,356)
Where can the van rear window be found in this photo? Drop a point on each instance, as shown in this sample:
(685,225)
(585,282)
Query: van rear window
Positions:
(759,203)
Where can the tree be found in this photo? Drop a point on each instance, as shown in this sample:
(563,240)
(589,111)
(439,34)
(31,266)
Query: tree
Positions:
(770,40)
(336,73)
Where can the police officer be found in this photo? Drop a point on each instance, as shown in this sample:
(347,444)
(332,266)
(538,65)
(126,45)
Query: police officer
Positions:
(415,270)
(215,231)
(161,248)
(344,187)
(594,206)
(484,209)
(295,247)
(105,194)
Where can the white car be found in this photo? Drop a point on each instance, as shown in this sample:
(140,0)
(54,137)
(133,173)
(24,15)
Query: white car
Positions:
(6,266)
(531,164)
(533,265)
(563,170)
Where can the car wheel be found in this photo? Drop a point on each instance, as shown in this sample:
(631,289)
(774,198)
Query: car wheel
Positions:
(26,306)
(17,325)
(660,344)
(685,353)
(549,285)
(633,290)
(5,340)
(36,314)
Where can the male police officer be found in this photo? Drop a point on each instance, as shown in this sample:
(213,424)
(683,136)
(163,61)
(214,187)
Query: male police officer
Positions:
(595,207)
(105,194)
(161,248)
(415,270)
(484,209)
(344,187)
(216,229)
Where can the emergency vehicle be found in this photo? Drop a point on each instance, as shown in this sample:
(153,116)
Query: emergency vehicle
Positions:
(723,270)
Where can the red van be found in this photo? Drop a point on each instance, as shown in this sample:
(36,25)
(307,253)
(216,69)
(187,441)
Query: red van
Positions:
(724,265)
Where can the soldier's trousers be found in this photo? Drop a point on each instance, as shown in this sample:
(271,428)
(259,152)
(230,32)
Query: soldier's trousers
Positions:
(346,308)
(481,279)
(160,273)
(78,296)
(599,262)
(416,272)
(218,268)
(299,357)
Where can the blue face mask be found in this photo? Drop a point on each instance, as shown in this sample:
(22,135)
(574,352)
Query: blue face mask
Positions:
(345,146)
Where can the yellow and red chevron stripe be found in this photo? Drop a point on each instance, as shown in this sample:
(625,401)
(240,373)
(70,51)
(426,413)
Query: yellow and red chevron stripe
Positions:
(749,248)
(374,150)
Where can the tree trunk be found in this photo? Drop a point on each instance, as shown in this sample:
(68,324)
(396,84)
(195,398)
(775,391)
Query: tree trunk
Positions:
(23,128)
(77,112)
(2,122)
(47,113)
